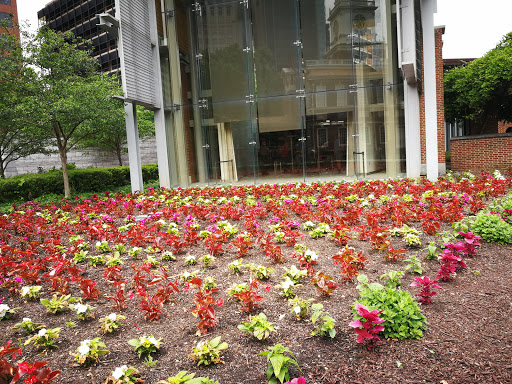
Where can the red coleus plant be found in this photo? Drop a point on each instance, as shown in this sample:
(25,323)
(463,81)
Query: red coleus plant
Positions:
(367,330)
(119,297)
(324,284)
(350,262)
(243,243)
(427,286)
(249,298)
(88,290)
(204,302)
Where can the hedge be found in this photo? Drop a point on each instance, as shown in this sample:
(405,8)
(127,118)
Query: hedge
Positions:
(28,187)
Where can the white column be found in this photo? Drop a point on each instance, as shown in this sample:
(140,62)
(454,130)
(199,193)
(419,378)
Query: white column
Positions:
(132,136)
(428,7)
(407,62)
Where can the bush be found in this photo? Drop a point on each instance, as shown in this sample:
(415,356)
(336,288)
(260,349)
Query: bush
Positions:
(492,228)
(29,187)
(403,316)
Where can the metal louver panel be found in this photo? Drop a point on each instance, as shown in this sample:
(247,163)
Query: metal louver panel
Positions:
(137,58)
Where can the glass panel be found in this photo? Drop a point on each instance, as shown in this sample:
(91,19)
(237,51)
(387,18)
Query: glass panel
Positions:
(274,28)
(279,124)
(226,91)
(329,135)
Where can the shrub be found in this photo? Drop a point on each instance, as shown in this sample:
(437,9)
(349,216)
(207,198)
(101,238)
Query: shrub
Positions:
(492,228)
(402,314)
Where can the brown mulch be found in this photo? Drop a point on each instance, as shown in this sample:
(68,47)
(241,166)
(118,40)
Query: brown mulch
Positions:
(468,340)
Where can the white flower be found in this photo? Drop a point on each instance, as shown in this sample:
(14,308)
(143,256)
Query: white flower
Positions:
(287,283)
(25,291)
(311,254)
(80,308)
(112,317)
(83,349)
(98,243)
(296,309)
(27,320)
(3,309)
(152,340)
(85,342)
(41,332)
(119,372)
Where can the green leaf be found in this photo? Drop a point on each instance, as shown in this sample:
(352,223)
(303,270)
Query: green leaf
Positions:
(277,363)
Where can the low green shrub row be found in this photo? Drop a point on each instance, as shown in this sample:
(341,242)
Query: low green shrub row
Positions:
(29,187)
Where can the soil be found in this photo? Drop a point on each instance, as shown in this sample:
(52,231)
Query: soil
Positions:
(468,340)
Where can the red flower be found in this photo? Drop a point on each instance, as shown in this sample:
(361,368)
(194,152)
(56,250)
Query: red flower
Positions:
(267,287)
(219,302)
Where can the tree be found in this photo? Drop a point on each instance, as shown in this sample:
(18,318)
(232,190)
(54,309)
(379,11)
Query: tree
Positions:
(483,88)
(68,94)
(18,138)
(112,135)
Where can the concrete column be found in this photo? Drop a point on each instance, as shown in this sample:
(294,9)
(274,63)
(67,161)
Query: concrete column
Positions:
(428,8)
(132,137)
(407,62)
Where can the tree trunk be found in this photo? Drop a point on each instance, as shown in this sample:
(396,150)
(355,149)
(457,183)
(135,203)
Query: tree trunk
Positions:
(2,170)
(119,157)
(64,162)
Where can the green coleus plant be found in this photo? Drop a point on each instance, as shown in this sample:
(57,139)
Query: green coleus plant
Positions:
(57,304)
(300,307)
(89,352)
(110,323)
(324,324)
(30,292)
(6,312)
(258,326)
(145,345)
(27,325)
(208,352)
(45,338)
(279,363)
(124,375)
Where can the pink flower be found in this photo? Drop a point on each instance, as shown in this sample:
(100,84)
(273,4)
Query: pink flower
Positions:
(298,380)
(267,287)
(219,302)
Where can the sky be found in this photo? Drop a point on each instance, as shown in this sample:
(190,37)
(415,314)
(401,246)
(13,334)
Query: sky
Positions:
(472,29)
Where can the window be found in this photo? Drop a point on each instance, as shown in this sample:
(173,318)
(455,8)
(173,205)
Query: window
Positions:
(321,96)
(7,17)
(5,2)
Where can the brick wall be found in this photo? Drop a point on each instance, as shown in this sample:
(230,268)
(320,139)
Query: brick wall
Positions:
(12,8)
(438,35)
(503,126)
(82,159)
(474,153)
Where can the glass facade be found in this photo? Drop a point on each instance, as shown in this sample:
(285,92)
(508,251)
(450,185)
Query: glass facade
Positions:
(291,90)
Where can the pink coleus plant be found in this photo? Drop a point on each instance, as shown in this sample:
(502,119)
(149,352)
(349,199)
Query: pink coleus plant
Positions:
(426,294)
(298,380)
(367,331)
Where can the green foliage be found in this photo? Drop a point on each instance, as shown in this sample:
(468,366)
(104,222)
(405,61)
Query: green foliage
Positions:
(145,345)
(17,138)
(278,363)
(183,378)
(414,265)
(295,274)
(45,338)
(393,278)
(90,352)
(56,304)
(208,352)
(326,326)
(300,307)
(432,251)
(259,272)
(29,187)
(28,326)
(403,316)
(483,87)
(492,228)
(257,326)
(412,240)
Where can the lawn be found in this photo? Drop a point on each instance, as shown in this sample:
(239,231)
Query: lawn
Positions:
(264,268)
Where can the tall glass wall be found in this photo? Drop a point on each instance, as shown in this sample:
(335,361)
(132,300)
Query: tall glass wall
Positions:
(290,89)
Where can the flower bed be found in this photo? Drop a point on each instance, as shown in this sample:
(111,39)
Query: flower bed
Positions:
(169,269)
